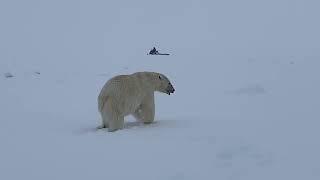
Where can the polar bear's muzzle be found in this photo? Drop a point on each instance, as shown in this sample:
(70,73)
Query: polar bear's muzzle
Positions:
(170,89)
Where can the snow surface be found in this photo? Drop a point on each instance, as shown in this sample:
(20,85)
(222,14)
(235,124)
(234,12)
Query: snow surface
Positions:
(246,75)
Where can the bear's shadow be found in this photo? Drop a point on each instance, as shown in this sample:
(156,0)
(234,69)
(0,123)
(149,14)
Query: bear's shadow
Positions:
(138,124)
(166,123)
(132,125)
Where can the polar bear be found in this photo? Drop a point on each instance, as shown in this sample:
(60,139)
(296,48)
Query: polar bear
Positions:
(133,95)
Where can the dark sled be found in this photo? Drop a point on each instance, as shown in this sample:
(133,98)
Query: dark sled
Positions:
(158,54)
(155,52)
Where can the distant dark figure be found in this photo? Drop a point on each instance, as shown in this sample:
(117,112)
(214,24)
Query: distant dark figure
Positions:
(154,51)
(8,75)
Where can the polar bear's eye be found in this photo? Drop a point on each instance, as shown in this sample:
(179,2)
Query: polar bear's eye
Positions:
(160,77)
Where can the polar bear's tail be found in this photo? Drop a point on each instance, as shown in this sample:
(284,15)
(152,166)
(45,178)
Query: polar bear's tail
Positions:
(101,101)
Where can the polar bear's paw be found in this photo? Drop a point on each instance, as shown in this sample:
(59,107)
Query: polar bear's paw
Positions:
(101,127)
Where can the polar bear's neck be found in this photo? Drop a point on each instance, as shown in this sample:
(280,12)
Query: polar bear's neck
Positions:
(146,80)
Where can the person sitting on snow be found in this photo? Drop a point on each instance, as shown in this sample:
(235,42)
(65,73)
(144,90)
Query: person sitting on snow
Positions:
(154,51)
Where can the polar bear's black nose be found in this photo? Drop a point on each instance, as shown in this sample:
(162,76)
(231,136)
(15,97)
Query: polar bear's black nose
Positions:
(170,89)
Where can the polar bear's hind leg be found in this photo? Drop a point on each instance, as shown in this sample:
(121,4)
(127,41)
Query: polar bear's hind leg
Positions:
(105,118)
(116,123)
(111,117)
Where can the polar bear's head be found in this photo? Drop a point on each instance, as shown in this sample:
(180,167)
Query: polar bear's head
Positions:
(163,84)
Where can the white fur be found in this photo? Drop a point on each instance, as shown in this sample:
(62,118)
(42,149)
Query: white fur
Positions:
(129,94)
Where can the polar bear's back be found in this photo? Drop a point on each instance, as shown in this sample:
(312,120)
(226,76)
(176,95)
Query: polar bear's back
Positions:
(126,93)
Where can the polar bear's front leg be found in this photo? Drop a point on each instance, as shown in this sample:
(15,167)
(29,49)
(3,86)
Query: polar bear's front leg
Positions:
(145,112)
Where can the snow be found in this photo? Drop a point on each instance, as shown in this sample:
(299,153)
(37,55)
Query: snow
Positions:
(245,73)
